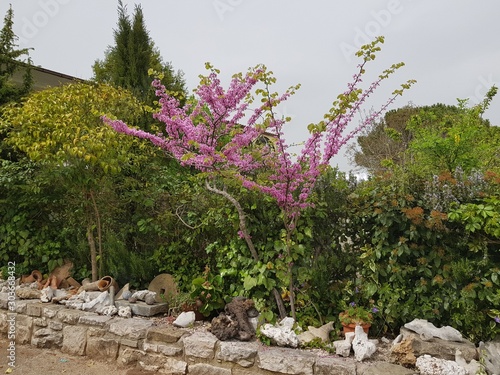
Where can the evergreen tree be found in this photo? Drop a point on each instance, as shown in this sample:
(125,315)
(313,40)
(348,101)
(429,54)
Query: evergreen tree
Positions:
(126,64)
(10,61)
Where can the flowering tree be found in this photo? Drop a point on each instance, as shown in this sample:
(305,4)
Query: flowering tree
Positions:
(220,132)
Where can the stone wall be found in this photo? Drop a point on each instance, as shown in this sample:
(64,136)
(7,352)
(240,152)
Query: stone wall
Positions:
(166,349)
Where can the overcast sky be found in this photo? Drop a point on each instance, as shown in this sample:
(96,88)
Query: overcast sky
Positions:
(451,47)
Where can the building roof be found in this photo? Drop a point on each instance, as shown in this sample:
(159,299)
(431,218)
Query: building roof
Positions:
(44,78)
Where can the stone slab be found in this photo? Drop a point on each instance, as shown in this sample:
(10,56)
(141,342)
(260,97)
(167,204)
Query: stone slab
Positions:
(286,361)
(242,353)
(133,329)
(50,311)
(167,334)
(34,309)
(200,345)
(4,300)
(94,320)
(70,316)
(74,340)
(142,309)
(383,368)
(334,365)
(22,305)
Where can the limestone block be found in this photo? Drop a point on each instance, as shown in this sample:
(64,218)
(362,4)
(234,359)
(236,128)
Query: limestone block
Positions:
(170,350)
(94,320)
(51,310)
(129,356)
(4,301)
(286,361)
(22,306)
(28,293)
(428,330)
(46,338)
(96,331)
(200,345)
(238,352)
(40,322)
(56,326)
(34,309)
(133,329)
(4,324)
(130,343)
(74,340)
(380,368)
(149,368)
(173,367)
(205,369)
(148,347)
(415,346)
(428,365)
(337,366)
(70,316)
(102,348)
(24,327)
(165,334)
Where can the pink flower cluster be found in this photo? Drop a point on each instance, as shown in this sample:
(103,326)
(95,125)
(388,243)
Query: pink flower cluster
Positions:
(220,131)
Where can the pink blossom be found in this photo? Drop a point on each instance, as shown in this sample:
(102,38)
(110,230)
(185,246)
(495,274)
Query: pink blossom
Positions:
(220,132)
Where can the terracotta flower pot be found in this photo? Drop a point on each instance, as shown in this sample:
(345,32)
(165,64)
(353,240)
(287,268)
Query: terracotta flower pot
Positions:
(350,327)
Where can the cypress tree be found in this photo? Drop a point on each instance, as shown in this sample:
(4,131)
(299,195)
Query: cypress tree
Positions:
(11,61)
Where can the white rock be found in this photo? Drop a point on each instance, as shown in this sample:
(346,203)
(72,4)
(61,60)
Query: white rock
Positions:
(185,319)
(47,294)
(428,365)
(305,337)
(254,322)
(142,294)
(125,312)
(102,300)
(342,348)
(282,334)
(108,310)
(428,330)
(472,367)
(322,332)
(363,348)
(287,323)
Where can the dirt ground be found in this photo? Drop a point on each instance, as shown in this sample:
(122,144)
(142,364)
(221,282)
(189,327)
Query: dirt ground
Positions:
(33,361)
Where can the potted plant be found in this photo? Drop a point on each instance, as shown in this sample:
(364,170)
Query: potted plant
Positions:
(354,315)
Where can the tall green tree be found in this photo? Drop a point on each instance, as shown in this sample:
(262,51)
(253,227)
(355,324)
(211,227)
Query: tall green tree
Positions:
(12,59)
(429,140)
(127,64)
(60,130)
(460,139)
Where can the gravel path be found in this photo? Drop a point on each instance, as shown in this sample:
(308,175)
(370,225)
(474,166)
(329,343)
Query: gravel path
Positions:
(34,361)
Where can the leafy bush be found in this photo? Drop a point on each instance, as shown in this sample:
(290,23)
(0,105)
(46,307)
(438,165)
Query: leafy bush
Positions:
(415,265)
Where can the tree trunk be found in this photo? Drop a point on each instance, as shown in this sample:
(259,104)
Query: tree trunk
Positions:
(93,252)
(99,234)
(248,240)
